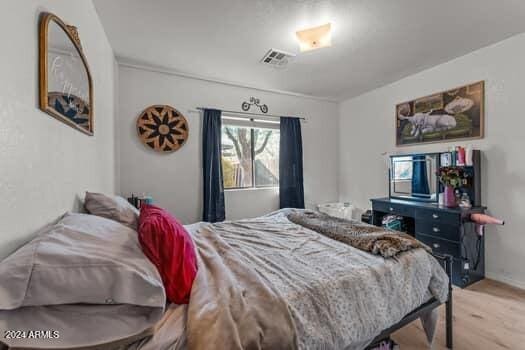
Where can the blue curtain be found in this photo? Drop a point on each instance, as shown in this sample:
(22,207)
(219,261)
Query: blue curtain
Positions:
(213,210)
(419,176)
(291,191)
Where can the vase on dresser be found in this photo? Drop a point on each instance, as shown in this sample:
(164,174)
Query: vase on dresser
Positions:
(449,197)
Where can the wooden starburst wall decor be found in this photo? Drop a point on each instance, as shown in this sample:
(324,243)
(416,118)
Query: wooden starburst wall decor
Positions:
(162,128)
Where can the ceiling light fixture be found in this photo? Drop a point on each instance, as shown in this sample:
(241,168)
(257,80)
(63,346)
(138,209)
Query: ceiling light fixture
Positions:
(315,38)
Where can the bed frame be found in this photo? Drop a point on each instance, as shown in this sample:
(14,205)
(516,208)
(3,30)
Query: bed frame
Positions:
(446,262)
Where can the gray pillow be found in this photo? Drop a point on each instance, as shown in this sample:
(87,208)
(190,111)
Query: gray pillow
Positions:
(112,207)
(85,278)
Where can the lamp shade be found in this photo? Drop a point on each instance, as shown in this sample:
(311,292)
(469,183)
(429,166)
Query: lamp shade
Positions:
(315,38)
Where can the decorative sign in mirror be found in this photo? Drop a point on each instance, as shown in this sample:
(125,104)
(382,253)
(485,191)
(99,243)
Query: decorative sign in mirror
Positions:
(66,88)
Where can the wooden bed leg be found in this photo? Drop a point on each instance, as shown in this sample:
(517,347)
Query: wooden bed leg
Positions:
(448,304)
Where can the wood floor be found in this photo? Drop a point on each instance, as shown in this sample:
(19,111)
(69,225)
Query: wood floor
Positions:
(487,316)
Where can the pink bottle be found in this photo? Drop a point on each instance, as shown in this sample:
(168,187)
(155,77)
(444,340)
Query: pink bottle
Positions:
(461,156)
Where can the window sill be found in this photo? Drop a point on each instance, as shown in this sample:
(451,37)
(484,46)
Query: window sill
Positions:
(269,188)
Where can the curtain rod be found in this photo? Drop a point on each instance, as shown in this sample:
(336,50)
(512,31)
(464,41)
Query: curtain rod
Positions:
(249,113)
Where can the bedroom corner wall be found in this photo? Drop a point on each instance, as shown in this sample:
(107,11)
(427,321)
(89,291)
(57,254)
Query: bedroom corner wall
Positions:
(45,165)
(367,131)
(174,180)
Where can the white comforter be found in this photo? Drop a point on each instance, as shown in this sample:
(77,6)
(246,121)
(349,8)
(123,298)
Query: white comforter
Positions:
(339,297)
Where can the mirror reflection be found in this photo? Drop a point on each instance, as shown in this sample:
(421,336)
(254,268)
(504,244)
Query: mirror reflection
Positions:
(66,82)
(414,177)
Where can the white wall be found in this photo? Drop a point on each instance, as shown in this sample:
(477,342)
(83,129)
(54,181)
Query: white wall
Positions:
(367,131)
(174,180)
(45,164)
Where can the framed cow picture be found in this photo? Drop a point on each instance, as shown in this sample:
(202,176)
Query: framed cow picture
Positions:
(455,114)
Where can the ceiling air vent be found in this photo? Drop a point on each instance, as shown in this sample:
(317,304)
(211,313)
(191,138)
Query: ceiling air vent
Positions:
(276,58)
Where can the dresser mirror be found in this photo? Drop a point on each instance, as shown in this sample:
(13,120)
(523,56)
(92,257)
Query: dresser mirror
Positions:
(66,89)
(414,177)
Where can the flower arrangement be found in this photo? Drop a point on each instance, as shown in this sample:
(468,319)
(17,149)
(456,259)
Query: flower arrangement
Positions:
(451,176)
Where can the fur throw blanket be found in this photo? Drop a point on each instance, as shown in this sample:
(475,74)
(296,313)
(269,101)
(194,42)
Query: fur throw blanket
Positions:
(372,239)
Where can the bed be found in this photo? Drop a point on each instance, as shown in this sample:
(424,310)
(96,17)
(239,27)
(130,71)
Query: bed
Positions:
(262,283)
(323,293)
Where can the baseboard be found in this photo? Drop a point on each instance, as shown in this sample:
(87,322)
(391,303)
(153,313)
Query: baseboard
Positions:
(506,280)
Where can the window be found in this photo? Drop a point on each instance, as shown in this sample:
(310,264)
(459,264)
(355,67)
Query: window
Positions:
(403,168)
(250,153)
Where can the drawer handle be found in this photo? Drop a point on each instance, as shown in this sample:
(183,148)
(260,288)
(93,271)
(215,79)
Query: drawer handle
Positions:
(435,229)
(436,245)
(435,216)
(391,209)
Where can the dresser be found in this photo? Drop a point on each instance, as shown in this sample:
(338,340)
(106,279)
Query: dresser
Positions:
(445,230)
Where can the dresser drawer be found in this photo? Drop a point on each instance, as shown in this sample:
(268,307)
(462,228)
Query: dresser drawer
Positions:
(393,208)
(441,246)
(438,230)
(436,215)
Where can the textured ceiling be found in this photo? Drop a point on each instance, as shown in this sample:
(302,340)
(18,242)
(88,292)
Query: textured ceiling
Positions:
(375,42)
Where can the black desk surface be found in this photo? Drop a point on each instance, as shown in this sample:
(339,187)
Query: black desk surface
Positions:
(428,205)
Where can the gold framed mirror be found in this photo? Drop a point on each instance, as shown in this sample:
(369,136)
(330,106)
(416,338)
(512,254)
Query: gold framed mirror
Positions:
(66,87)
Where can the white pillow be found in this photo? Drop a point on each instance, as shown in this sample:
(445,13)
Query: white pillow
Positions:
(85,277)
(112,207)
